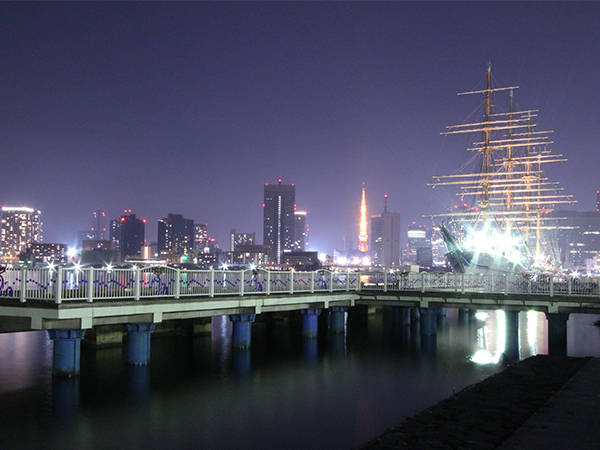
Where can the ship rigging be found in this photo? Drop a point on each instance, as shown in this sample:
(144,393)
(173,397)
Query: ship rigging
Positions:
(506,215)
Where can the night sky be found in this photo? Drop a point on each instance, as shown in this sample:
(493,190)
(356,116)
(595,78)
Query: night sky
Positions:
(190,108)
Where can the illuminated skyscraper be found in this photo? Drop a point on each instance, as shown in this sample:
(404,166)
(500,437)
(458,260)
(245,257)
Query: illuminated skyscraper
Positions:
(278,212)
(363,237)
(20,226)
(385,238)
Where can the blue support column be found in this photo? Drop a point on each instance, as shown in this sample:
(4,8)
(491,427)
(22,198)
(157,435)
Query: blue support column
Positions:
(511,345)
(338,319)
(428,321)
(66,352)
(310,322)
(242,329)
(138,342)
(557,333)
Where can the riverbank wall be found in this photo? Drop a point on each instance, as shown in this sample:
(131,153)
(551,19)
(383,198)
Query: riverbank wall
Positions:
(485,415)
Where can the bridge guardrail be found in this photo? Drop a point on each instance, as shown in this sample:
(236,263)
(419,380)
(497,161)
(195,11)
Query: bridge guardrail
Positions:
(60,284)
(73,283)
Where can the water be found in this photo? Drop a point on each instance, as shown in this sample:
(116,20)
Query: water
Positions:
(335,392)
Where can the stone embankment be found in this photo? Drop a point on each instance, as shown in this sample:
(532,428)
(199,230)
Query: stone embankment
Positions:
(484,415)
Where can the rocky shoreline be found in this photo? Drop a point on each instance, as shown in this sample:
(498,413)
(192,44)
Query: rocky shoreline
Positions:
(484,415)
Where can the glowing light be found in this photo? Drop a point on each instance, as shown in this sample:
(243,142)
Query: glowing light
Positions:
(363,237)
(71,252)
(322,257)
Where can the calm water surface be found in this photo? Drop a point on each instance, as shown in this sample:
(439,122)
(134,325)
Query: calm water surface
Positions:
(286,392)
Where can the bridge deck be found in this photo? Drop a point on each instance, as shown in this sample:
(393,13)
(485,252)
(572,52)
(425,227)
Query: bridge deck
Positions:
(83,298)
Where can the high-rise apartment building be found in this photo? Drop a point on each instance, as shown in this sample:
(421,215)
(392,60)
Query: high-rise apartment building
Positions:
(300,231)
(20,226)
(385,238)
(278,211)
(127,234)
(176,234)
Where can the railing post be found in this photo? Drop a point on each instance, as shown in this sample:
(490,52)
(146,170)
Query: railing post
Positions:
(347,280)
(137,282)
(462,283)
(312,282)
(291,281)
(330,281)
(177,284)
(241,283)
(211,282)
(551,286)
(90,286)
(422,282)
(493,283)
(23,284)
(569,285)
(385,278)
(505,284)
(268,282)
(58,287)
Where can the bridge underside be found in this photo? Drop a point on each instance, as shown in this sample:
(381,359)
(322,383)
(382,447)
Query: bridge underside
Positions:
(32,315)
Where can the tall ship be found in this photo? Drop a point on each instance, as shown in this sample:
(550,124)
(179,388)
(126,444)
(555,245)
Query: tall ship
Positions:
(503,217)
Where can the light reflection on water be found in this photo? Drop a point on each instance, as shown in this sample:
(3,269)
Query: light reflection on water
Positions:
(337,391)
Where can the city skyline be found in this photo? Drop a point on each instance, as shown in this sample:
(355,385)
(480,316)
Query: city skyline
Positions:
(190,108)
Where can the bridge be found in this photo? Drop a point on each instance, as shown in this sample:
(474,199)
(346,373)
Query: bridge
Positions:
(66,301)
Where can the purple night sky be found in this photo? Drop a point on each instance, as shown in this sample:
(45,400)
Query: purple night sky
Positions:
(190,108)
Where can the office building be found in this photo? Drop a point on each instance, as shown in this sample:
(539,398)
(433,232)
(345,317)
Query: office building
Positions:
(417,238)
(238,239)
(300,231)
(99,225)
(578,242)
(200,237)
(127,235)
(278,211)
(20,226)
(385,238)
(176,235)
(39,253)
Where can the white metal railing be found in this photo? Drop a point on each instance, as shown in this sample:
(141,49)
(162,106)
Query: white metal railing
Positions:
(64,284)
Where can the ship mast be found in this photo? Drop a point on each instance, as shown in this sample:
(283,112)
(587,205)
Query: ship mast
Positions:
(509,191)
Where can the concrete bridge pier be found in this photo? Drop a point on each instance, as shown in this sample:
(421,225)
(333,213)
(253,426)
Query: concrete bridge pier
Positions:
(66,352)
(310,322)
(428,320)
(401,315)
(511,344)
(138,342)
(557,333)
(415,314)
(242,329)
(338,319)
